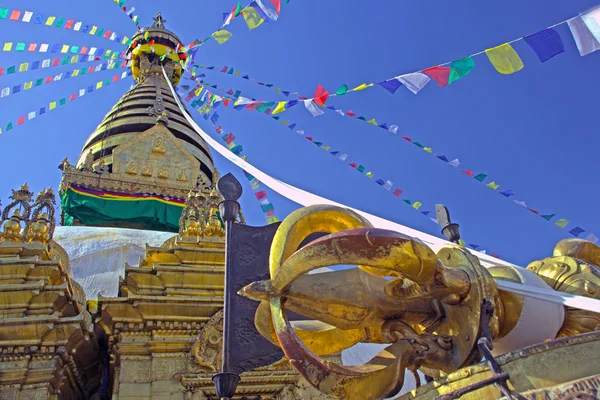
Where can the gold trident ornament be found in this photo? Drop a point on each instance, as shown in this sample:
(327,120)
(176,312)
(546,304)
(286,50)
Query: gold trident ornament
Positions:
(428,307)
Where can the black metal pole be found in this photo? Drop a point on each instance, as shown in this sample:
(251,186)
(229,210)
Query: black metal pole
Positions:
(230,189)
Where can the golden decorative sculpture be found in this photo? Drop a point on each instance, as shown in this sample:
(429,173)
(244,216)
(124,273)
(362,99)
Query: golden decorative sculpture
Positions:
(431,308)
(163,173)
(207,350)
(21,211)
(147,170)
(182,176)
(159,147)
(131,169)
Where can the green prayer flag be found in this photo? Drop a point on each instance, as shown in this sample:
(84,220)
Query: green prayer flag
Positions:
(276,117)
(361,169)
(561,223)
(264,107)
(548,217)
(406,201)
(9,126)
(480,177)
(100,32)
(66,60)
(11,70)
(230,72)
(362,119)
(460,68)
(319,144)
(83,71)
(342,90)
(269,85)
(59,23)
(418,145)
(3,13)
(62,101)
(238,9)
(107,82)
(20,46)
(39,82)
(74,49)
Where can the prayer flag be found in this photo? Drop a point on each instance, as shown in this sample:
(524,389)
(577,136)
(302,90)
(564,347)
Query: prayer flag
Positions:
(52,106)
(439,74)
(3,13)
(44,47)
(31,115)
(7,46)
(20,46)
(391,85)
(505,59)
(273,15)
(261,195)
(280,107)
(585,40)
(27,85)
(591,238)
(369,174)
(492,185)
(460,68)
(507,193)
(393,129)
(5,92)
(312,108)
(388,185)
(576,231)
(361,87)
(416,205)
(480,177)
(466,171)
(27,16)
(415,81)
(548,217)
(252,17)
(397,192)
(222,36)
(546,44)
(32,47)
(14,16)
(321,95)
(561,223)
(342,90)
(21,120)
(592,21)
(50,21)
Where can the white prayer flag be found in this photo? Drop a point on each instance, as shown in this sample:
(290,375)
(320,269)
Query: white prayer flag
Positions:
(81,92)
(585,40)
(521,203)
(31,115)
(414,81)
(5,92)
(455,163)
(393,129)
(388,185)
(46,63)
(58,77)
(268,11)
(77,26)
(340,112)
(92,51)
(123,75)
(27,16)
(591,238)
(242,101)
(343,157)
(592,21)
(113,36)
(44,47)
(311,106)
(300,132)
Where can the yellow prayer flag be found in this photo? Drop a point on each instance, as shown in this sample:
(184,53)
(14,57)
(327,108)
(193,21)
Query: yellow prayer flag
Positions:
(74,59)
(372,122)
(416,205)
(75,73)
(52,105)
(27,85)
(222,36)
(428,149)
(278,90)
(361,87)
(7,46)
(244,157)
(252,17)
(50,21)
(561,223)
(285,122)
(326,148)
(65,48)
(198,91)
(236,72)
(125,40)
(23,67)
(505,59)
(147,35)
(93,30)
(98,85)
(492,185)
(369,174)
(280,107)
(231,145)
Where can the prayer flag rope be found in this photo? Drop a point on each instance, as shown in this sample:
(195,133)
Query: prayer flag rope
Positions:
(255,14)
(47,63)
(69,24)
(103,66)
(270,108)
(62,49)
(546,44)
(134,18)
(54,104)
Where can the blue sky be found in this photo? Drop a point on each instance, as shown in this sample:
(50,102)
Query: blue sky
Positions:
(534,132)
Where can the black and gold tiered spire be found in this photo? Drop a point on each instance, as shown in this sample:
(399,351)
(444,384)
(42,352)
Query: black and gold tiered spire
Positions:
(139,164)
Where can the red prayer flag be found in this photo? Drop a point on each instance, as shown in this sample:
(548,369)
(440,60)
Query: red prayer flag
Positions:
(1,71)
(107,34)
(73,97)
(251,106)
(55,62)
(277,5)
(397,192)
(353,165)
(350,114)
(226,102)
(321,95)
(224,69)
(69,24)
(14,16)
(271,213)
(309,138)
(495,255)
(534,211)
(32,47)
(48,79)
(261,195)
(230,92)
(439,74)
(21,121)
(407,138)
(468,172)
(91,69)
(84,50)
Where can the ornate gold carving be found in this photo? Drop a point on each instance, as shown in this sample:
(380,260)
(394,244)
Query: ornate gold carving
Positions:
(41,227)
(163,173)
(147,170)
(21,211)
(574,269)
(206,352)
(87,162)
(131,169)
(182,176)
(159,147)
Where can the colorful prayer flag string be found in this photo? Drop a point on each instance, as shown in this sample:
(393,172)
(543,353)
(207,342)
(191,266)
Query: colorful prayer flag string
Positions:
(134,18)
(62,49)
(271,108)
(61,102)
(103,66)
(69,24)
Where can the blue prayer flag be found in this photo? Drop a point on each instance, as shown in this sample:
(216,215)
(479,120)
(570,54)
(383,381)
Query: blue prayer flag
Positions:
(292,103)
(285,93)
(35,65)
(90,89)
(85,29)
(380,182)
(391,86)
(42,111)
(39,18)
(384,126)
(55,48)
(443,158)
(546,44)
(507,193)
(16,89)
(576,231)
(292,126)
